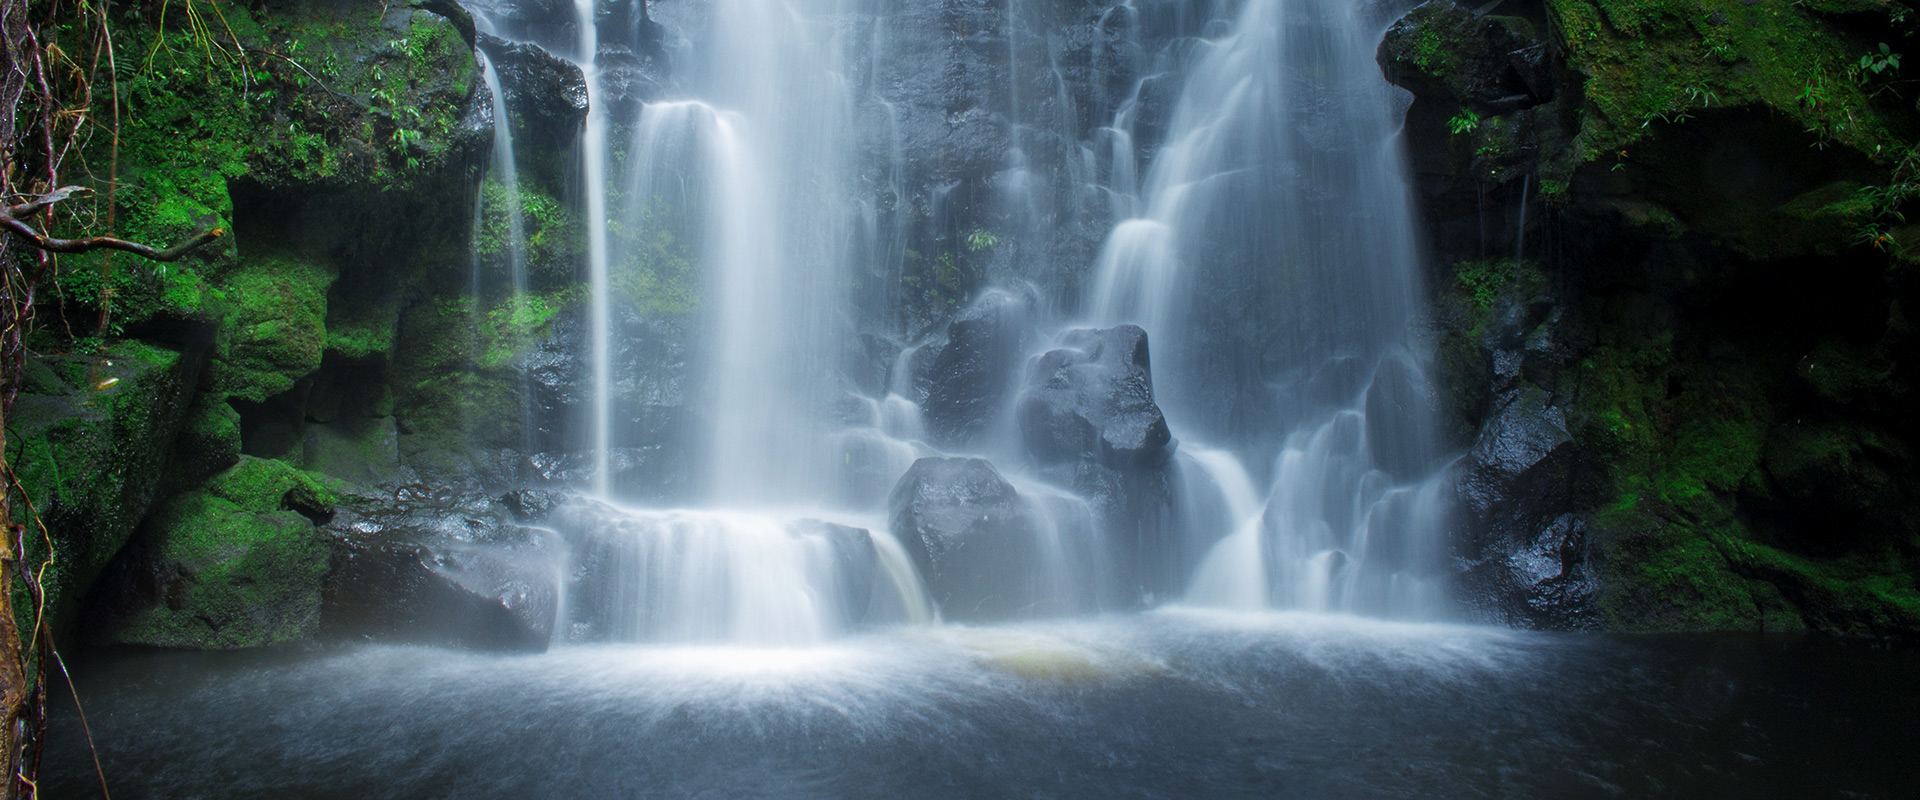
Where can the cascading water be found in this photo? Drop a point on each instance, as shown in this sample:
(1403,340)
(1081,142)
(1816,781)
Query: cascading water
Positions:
(1264,187)
(1277,227)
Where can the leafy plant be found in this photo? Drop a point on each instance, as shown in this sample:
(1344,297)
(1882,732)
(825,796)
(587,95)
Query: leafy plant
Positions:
(1877,64)
(1465,122)
(981,240)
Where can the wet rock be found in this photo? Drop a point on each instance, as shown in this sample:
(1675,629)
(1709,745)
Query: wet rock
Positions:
(1093,398)
(444,565)
(547,93)
(854,563)
(1489,62)
(969,535)
(532,505)
(650,383)
(974,372)
(1523,556)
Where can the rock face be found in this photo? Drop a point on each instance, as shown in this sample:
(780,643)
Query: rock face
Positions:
(974,372)
(1665,427)
(1093,398)
(970,535)
(651,387)
(88,441)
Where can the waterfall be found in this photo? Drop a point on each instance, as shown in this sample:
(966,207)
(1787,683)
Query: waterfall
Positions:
(1266,246)
(1277,223)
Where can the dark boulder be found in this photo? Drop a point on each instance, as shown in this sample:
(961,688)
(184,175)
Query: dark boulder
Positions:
(1093,399)
(1524,559)
(445,566)
(969,534)
(973,373)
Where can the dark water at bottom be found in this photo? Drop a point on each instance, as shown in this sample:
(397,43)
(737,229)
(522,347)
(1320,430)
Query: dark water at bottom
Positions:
(1169,704)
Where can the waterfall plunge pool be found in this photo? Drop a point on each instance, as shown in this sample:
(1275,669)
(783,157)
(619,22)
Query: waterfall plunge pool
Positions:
(1172,703)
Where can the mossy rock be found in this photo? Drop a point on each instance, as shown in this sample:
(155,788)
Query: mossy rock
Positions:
(238,564)
(1651,62)
(209,442)
(91,461)
(275,331)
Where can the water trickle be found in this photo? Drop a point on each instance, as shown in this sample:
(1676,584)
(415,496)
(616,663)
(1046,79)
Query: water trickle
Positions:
(506,172)
(593,170)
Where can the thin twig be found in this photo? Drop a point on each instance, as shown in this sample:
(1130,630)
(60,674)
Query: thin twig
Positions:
(84,727)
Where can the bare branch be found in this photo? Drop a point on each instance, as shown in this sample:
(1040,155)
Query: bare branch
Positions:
(32,237)
(34,206)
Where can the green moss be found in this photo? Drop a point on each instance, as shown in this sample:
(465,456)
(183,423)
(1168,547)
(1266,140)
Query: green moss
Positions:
(1840,372)
(196,118)
(275,309)
(555,237)
(1430,52)
(1660,61)
(264,485)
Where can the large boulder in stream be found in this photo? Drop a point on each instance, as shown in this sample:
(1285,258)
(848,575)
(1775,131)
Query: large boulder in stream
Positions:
(1093,398)
(970,535)
(436,565)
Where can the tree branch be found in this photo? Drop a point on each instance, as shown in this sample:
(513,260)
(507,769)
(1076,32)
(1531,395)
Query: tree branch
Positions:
(26,232)
(32,207)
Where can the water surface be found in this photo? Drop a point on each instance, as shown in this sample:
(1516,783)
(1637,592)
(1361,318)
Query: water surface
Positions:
(1174,703)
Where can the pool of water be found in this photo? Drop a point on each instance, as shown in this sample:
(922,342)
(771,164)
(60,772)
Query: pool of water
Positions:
(1175,703)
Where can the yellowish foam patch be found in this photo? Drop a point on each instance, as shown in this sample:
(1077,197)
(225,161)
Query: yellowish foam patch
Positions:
(1041,657)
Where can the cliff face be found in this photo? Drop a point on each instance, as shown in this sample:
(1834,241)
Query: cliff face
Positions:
(1672,296)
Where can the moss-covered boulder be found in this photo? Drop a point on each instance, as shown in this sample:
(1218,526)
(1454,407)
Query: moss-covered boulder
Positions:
(275,327)
(89,446)
(239,563)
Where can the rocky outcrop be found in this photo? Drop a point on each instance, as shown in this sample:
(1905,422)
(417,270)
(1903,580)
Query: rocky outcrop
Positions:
(239,563)
(1617,353)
